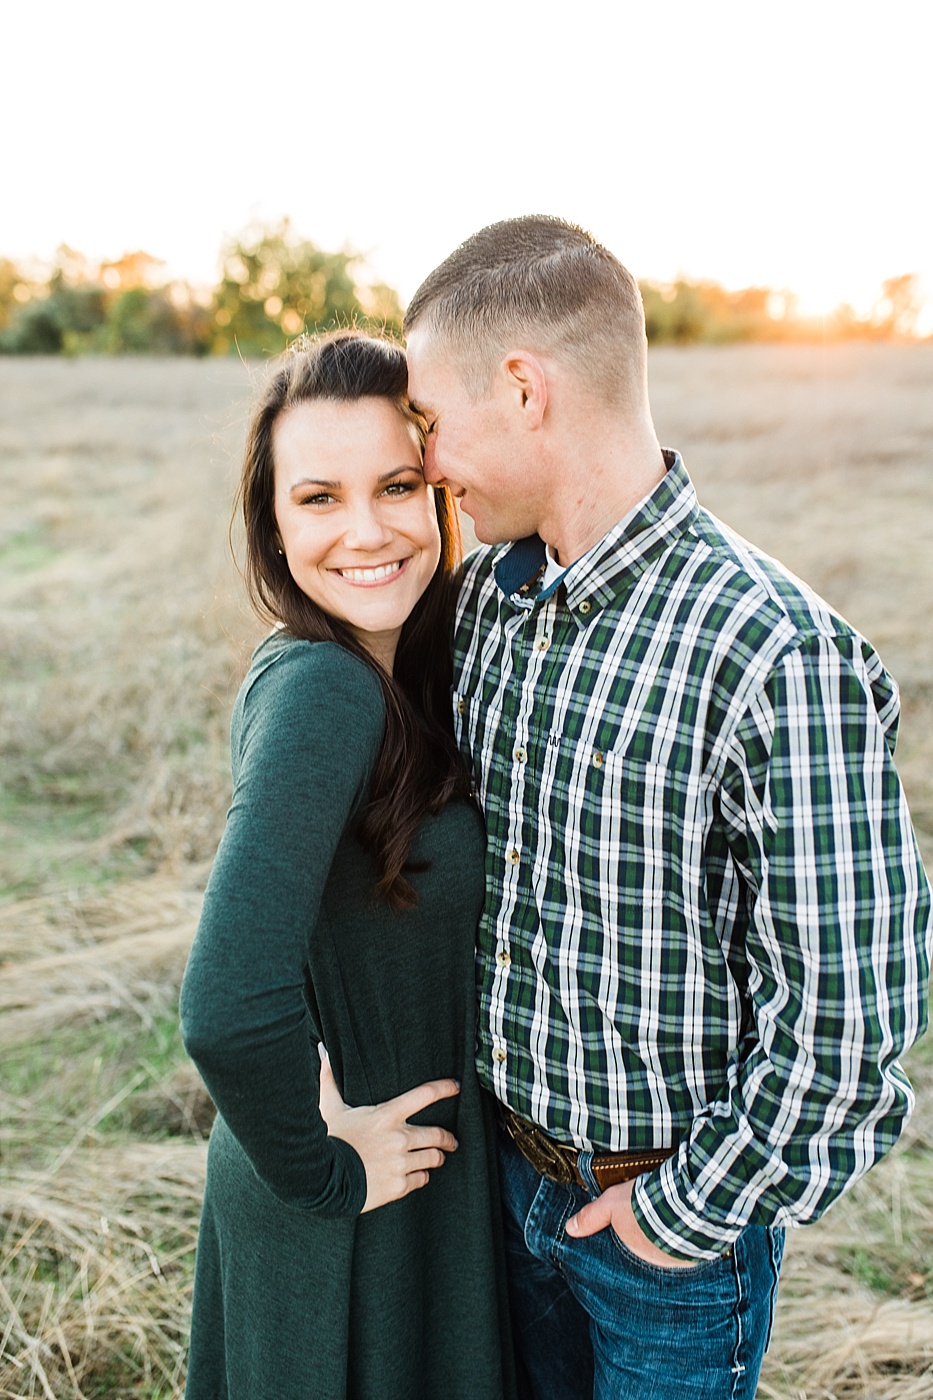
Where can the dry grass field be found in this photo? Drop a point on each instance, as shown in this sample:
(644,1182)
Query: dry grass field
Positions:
(123,636)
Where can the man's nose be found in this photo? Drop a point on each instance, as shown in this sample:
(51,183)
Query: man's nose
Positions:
(432,474)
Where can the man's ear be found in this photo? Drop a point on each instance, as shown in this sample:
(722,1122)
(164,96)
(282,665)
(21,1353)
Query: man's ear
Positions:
(526,385)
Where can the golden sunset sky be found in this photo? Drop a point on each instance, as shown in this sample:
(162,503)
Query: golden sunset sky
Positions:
(779,144)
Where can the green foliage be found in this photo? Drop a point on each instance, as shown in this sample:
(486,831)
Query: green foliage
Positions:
(79,308)
(140,321)
(689,312)
(66,316)
(15,291)
(91,319)
(274,286)
(36,330)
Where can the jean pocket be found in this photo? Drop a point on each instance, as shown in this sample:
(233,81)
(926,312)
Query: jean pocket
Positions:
(700,1268)
(675,1306)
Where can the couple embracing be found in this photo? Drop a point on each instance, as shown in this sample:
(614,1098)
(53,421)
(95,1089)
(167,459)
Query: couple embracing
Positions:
(655,836)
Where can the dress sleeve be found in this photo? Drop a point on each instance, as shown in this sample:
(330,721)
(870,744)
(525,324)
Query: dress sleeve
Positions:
(837,951)
(310,730)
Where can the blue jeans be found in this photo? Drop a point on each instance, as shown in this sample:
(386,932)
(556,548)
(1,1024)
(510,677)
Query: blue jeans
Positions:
(593,1322)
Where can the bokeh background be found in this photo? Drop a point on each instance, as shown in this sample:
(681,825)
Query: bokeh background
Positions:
(187,190)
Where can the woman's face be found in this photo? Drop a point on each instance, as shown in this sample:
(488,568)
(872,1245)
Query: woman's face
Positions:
(355,515)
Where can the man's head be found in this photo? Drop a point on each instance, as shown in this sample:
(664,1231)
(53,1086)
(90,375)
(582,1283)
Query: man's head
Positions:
(528,324)
(539,282)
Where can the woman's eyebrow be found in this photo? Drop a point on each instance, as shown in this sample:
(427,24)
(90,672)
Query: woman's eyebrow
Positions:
(313,481)
(335,485)
(406,467)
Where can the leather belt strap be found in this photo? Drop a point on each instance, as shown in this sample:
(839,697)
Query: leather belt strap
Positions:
(562,1164)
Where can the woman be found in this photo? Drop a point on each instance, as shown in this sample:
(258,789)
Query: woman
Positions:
(344,1251)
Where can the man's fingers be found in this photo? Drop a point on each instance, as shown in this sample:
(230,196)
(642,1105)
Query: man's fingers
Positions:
(591,1219)
(423,1095)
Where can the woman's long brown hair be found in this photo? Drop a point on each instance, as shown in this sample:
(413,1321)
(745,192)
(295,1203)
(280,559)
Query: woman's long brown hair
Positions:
(418,769)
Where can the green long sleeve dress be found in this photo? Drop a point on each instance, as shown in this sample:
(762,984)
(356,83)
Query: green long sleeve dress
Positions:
(297,1295)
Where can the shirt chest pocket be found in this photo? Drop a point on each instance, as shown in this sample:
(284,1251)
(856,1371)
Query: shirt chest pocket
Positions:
(623,827)
(593,803)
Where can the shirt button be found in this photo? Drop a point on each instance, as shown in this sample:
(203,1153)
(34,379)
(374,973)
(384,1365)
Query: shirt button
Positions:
(461,707)
(543,643)
(586,606)
(499,1054)
(520,754)
(597,759)
(503,959)
(513,856)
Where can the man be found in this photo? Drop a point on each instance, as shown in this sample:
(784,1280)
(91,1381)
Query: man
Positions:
(706,934)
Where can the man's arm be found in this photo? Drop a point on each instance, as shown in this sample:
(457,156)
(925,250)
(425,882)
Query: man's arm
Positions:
(837,951)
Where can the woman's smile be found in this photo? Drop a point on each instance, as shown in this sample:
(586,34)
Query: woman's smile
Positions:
(375,574)
(355,516)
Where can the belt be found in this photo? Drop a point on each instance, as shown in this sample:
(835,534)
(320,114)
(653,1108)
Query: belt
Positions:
(562,1164)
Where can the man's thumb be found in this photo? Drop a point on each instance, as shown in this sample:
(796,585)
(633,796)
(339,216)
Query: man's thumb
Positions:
(590,1220)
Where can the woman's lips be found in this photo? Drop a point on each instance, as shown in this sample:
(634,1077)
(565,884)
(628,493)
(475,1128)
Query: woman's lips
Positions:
(375,575)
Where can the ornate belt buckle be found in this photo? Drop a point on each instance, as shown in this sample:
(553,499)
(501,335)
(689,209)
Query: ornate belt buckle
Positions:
(543,1154)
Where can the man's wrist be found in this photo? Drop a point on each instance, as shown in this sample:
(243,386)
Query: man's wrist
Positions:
(670,1225)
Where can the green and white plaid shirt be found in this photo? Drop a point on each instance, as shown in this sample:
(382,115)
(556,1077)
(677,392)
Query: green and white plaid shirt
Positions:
(706,919)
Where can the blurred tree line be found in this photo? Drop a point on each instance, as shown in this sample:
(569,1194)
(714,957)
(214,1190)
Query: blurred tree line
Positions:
(685,312)
(274,285)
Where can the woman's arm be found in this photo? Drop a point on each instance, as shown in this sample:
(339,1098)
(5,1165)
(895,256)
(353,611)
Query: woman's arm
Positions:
(311,728)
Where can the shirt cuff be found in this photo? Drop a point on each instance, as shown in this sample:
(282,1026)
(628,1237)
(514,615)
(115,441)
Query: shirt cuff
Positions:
(670,1223)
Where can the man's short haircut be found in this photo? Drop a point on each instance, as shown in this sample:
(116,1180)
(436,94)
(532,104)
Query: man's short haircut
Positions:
(538,282)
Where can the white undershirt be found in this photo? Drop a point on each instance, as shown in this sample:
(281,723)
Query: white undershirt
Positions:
(553,571)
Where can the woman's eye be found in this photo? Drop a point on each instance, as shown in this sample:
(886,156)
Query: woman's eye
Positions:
(320,498)
(400,488)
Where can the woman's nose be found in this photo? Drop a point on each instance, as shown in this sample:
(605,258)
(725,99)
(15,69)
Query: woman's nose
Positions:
(366,529)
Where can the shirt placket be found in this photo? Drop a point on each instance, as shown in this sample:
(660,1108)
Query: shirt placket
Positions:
(531,643)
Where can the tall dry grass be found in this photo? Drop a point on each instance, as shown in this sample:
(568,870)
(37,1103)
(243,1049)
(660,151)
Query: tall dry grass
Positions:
(823,458)
(121,624)
(123,636)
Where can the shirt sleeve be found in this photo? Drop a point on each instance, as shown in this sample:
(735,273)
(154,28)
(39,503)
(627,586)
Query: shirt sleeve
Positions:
(310,730)
(836,952)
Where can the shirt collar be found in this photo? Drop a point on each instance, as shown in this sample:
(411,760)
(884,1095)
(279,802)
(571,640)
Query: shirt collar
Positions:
(594,579)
